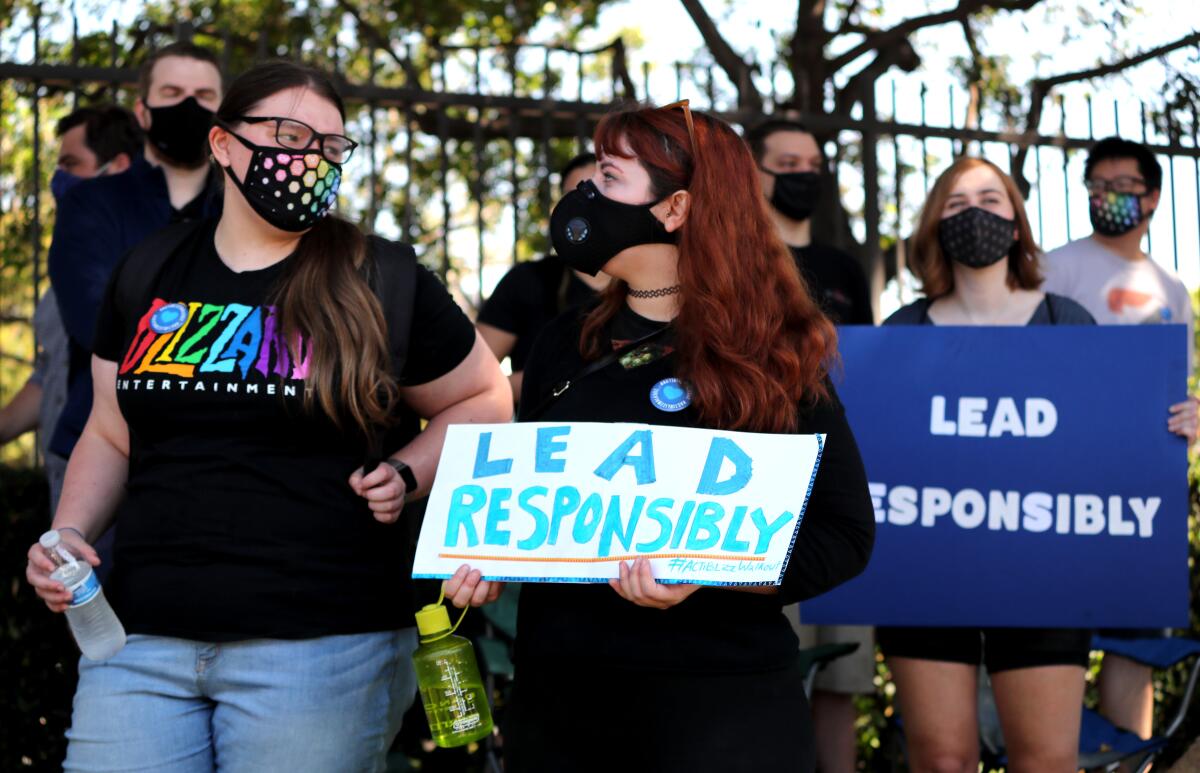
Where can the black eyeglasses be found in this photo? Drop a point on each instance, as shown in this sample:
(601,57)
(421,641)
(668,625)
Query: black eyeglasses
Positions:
(297,135)
(1125,184)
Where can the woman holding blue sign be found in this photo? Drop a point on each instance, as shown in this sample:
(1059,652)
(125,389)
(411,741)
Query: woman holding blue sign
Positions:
(708,324)
(975,254)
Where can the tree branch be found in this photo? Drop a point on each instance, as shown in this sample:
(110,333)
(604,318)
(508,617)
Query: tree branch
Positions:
(1117,66)
(859,29)
(901,31)
(901,55)
(807,56)
(381,42)
(848,24)
(975,78)
(726,58)
(1040,88)
(810,15)
(621,69)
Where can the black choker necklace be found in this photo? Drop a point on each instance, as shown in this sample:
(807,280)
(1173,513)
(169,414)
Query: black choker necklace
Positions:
(659,293)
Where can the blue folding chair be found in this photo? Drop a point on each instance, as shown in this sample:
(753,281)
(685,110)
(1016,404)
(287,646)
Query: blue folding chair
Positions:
(816,658)
(1104,746)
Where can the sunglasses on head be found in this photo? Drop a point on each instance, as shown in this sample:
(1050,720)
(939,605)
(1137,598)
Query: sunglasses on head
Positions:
(687,117)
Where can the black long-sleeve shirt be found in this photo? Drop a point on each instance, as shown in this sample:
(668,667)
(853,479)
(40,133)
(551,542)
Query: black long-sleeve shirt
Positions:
(714,628)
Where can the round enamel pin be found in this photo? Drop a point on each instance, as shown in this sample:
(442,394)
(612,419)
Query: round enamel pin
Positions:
(169,318)
(670,395)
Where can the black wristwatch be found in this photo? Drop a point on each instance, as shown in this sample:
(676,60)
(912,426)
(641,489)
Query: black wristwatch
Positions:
(406,475)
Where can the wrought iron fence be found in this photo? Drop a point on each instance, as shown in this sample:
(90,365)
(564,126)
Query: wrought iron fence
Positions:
(462,143)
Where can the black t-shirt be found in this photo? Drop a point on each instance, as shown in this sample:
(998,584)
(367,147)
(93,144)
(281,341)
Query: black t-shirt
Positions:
(528,297)
(628,326)
(713,629)
(239,521)
(837,283)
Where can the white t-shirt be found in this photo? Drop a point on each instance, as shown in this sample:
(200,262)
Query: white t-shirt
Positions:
(1115,290)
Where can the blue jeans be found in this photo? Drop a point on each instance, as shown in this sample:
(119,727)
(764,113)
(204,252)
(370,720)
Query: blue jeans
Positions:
(328,704)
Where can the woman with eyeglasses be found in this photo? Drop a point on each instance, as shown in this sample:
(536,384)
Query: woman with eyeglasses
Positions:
(242,378)
(978,263)
(637,675)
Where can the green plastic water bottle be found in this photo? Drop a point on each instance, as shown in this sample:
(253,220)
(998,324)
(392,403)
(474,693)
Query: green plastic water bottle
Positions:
(452,691)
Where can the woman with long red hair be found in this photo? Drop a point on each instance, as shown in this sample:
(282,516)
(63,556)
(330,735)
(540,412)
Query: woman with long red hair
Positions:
(712,327)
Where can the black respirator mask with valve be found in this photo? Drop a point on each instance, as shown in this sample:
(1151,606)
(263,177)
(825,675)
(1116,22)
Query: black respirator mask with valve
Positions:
(588,229)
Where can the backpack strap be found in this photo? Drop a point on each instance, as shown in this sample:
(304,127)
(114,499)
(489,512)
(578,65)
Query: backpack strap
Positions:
(142,266)
(587,370)
(390,269)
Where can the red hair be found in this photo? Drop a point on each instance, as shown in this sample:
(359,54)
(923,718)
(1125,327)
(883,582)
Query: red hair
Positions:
(749,339)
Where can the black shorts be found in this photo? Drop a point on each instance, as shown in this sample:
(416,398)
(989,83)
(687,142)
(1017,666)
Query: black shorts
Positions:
(1134,633)
(1000,649)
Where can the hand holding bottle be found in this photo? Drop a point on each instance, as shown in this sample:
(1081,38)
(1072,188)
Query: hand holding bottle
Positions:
(39,568)
(95,626)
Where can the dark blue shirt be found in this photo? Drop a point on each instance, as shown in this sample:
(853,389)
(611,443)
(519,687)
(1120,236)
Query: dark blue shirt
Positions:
(98,221)
(1053,310)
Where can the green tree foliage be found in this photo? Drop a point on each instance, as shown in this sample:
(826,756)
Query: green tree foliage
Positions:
(402,44)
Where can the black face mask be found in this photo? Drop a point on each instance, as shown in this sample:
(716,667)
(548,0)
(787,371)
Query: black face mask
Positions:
(180,132)
(588,229)
(796,193)
(975,237)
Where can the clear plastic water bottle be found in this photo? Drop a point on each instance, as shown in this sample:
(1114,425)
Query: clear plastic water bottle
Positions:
(454,696)
(95,626)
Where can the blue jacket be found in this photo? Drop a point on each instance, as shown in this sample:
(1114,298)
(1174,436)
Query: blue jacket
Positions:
(98,221)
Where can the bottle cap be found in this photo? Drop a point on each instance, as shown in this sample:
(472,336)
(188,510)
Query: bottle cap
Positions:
(50,539)
(432,620)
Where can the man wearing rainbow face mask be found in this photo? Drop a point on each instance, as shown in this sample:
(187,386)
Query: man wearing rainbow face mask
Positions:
(1109,274)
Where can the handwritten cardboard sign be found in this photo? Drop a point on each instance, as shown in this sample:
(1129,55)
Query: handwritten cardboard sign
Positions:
(566,502)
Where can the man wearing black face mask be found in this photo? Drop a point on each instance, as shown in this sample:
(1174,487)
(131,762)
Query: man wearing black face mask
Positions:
(100,219)
(790,162)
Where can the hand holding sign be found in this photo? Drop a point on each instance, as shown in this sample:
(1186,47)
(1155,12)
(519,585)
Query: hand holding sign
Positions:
(637,584)
(570,502)
(1184,420)
(467,586)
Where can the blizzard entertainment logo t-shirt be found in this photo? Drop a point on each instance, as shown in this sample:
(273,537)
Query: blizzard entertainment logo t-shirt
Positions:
(239,521)
(198,346)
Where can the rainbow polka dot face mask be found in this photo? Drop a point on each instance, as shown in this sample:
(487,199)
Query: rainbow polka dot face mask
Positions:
(290,189)
(1114,214)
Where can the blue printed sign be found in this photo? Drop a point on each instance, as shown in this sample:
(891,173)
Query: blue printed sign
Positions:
(568,502)
(1021,476)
